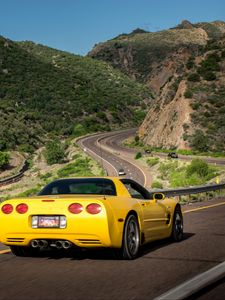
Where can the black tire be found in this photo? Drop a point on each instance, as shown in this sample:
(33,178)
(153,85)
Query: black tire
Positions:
(177,229)
(24,251)
(131,238)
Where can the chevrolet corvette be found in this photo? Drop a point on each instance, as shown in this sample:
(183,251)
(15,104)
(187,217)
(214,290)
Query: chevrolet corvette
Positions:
(107,212)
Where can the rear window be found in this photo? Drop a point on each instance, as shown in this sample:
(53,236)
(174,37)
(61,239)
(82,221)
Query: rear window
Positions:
(83,186)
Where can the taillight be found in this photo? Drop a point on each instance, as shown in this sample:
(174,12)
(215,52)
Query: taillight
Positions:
(75,208)
(7,209)
(22,208)
(94,208)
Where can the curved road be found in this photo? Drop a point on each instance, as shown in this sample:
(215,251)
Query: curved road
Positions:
(96,275)
(108,150)
(111,160)
(115,140)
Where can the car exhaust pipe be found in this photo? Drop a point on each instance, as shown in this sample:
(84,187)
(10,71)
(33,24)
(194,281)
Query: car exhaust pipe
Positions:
(59,244)
(35,244)
(43,244)
(66,244)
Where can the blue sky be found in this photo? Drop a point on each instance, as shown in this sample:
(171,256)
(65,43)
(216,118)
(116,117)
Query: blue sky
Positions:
(77,25)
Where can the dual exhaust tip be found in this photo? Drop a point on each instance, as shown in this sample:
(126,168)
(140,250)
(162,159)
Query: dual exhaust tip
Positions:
(44,244)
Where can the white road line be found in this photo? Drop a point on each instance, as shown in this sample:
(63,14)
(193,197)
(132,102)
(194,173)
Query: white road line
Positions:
(102,146)
(195,284)
(110,150)
(95,154)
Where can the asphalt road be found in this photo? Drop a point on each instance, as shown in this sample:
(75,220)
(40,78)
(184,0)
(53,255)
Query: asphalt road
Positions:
(110,161)
(97,275)
(115,141)
(108,149)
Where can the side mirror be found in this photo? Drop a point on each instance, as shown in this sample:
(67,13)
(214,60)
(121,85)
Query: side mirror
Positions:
(158,196)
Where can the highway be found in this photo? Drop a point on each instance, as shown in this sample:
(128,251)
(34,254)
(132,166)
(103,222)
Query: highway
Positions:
(114,141)
(97,275)
(108,149)
(110,159)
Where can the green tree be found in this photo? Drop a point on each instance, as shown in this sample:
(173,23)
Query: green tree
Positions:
(4,159)
(199,141)
(54,152)
(79,130)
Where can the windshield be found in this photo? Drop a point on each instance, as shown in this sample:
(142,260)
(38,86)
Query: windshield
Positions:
(86,186)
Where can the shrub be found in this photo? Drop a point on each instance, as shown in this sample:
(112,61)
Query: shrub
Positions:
(193,77)
(54,152)
(4,159)
(190,64)
(153,161)
(157,185)
(138,155)
(30,192)
(209,76)
(45,176)
(199,167)
(188,94)
(137,139)
(80,167)
(195,105)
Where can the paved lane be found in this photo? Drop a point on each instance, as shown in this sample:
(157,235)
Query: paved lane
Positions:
(96,275)
(111,161)
(116,140)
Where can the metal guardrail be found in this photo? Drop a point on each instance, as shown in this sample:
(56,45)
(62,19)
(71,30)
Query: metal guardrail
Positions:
(16,177)
(191,190)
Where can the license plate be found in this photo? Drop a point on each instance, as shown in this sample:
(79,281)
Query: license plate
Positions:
(48,222)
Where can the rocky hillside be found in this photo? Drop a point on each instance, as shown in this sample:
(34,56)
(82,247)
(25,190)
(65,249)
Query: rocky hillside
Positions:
(45,92)
(184,66)
(189,110)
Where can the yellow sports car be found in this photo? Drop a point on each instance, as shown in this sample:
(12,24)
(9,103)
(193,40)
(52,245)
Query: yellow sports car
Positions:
(105,212)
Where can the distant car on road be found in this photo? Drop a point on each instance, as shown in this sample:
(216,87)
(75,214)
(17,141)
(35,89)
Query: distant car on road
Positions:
(121,172)
(172,155)
(148,151)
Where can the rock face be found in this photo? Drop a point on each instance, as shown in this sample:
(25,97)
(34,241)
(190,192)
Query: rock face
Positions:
(164,126)
(184,68)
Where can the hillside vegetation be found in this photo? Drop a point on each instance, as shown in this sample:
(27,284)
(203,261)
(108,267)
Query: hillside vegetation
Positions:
(139,52)
(46,92)
(189,110)
(185,68)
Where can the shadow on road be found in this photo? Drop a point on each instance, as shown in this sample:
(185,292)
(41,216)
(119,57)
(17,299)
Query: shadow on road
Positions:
(150,247)
(103,254)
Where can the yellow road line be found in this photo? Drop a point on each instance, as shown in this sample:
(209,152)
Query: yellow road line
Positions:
(4,251)
(203,207)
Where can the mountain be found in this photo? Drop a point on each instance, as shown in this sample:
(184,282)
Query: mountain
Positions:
(184,67)
(46,92)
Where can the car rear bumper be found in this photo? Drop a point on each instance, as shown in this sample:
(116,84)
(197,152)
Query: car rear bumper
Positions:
(79,240)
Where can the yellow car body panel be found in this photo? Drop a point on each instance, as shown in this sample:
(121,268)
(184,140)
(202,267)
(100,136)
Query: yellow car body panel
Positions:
(104,229)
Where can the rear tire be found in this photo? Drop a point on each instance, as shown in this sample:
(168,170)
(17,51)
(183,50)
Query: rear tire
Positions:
(177,229)
(23,251)
(131,239)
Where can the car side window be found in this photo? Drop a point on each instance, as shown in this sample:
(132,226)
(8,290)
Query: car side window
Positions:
(133,192)
(136,190)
